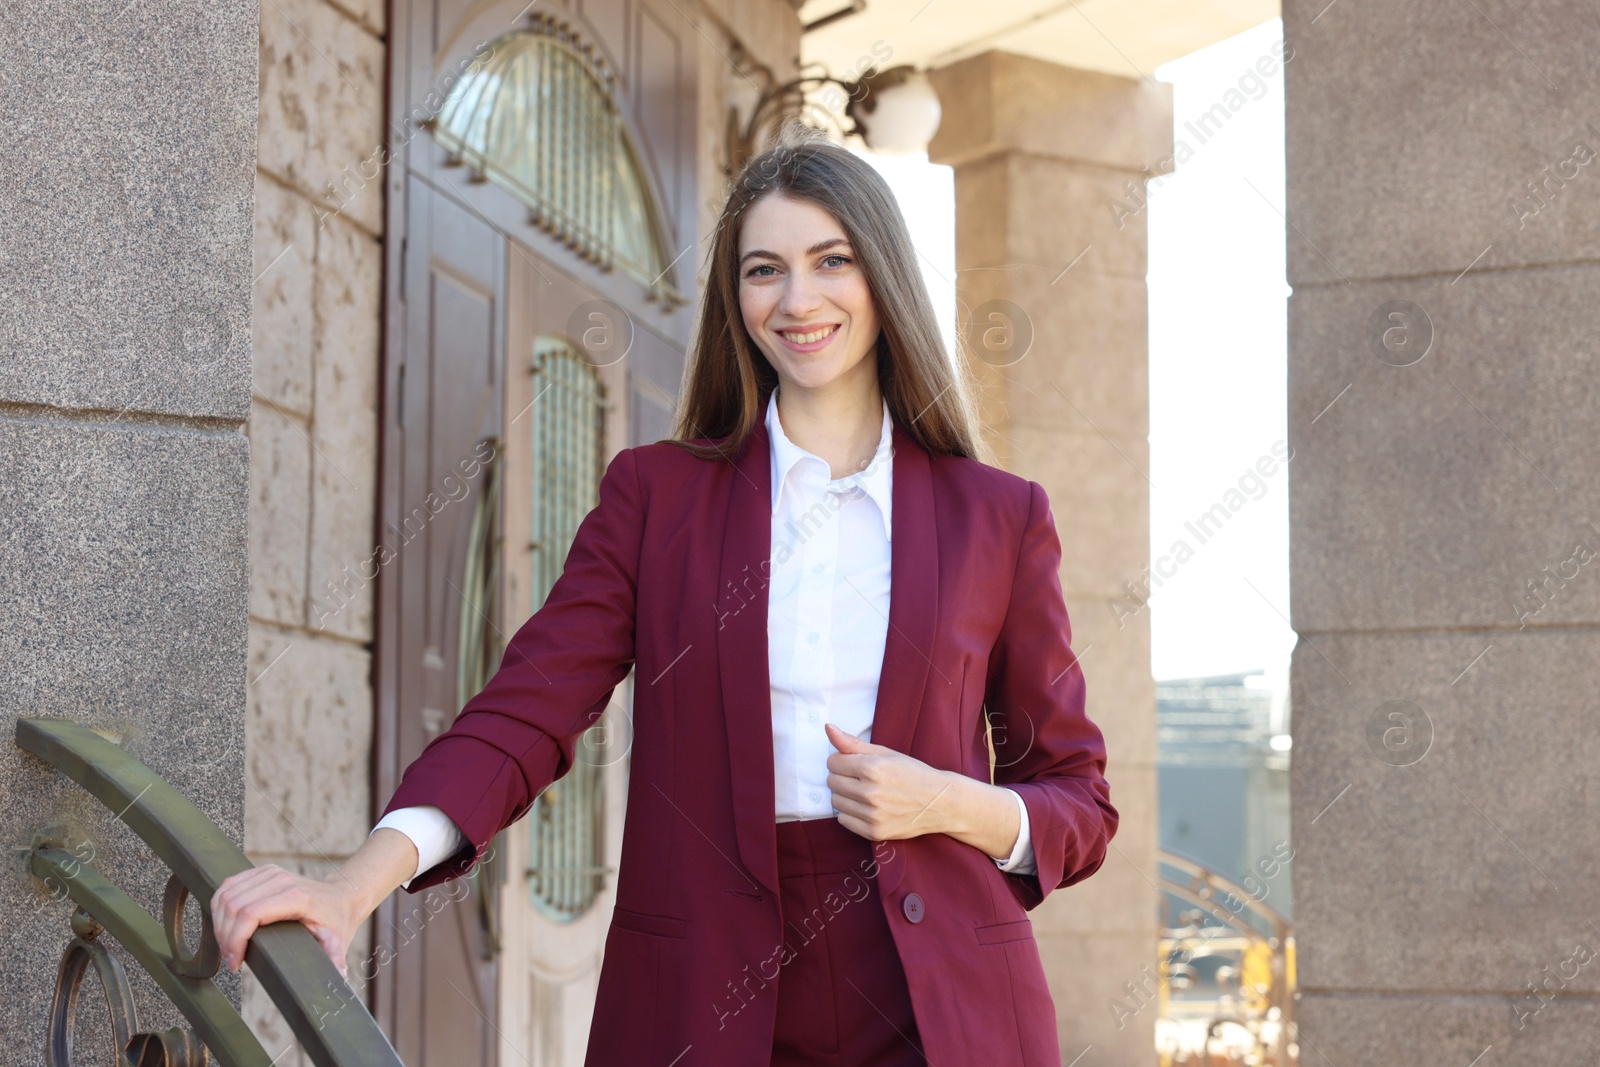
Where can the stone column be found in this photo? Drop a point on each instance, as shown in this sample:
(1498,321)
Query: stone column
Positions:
(127,159)
(1444,228)
(1050,164)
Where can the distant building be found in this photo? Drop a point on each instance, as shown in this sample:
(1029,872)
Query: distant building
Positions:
(1223,759)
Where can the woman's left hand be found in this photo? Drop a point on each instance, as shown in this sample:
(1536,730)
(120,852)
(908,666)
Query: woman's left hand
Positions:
(885,795)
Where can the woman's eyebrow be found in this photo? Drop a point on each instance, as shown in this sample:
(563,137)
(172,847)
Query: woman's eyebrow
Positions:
(813,250)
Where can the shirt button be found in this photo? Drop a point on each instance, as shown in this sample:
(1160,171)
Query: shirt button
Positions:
(818,568)
(912,906)
(816,795)
(811,716)
(813,637)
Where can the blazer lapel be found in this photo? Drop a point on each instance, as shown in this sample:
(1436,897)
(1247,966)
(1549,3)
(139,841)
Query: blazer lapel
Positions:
(913,618)
(743,577)
(743,580)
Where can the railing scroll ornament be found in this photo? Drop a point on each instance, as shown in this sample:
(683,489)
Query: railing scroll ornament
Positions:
(325,1014)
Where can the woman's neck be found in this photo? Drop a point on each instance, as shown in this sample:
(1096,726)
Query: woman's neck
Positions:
(841,425)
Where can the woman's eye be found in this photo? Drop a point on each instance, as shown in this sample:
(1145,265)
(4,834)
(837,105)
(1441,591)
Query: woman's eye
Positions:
(751,273)
(839,256)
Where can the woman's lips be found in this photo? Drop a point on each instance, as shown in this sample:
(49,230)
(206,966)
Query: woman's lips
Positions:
(812,346)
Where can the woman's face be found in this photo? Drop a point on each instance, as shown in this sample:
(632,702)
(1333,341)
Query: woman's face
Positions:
(803,296)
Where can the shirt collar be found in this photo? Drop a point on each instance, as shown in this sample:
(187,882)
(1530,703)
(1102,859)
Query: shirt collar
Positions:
(875,480)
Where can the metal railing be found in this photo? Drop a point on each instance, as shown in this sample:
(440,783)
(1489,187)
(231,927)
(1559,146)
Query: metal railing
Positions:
(324,1013)
(1227,976)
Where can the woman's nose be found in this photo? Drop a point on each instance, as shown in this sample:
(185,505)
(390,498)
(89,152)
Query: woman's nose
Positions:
(800,297)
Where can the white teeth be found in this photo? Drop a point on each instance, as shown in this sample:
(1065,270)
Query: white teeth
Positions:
(807,338)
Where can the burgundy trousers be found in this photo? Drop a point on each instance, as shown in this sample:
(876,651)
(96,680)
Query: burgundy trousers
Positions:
(842,996)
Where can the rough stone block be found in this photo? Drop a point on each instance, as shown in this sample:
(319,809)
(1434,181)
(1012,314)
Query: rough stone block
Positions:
(1104,988)
(345,428)
(280,501)
(1099,221)
(1432,185)
(1444,1031)
(1450,491)
(123,560)
(124,274)
(1438,781)
(285,244)
(321,116)
(309,710)
(1116,671)
(1002,101)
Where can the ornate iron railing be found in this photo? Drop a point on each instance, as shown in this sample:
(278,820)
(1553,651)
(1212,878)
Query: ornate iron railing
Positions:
(324,1013)
(1227,979)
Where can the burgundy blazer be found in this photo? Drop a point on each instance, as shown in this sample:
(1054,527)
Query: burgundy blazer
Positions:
(668,575)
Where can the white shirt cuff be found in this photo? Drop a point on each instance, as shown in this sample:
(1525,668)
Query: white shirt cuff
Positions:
(1021,859)
(433,832)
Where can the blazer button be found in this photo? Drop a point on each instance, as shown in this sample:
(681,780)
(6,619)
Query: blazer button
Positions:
(912,906)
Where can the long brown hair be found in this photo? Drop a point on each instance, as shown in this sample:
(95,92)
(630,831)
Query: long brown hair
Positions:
(728,377)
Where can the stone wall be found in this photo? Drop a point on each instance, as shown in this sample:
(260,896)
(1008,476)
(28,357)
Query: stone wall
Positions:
(1444,249)
(126,160)
(314,436)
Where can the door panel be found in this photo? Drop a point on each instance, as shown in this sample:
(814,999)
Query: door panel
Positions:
(469,283)
(436,996)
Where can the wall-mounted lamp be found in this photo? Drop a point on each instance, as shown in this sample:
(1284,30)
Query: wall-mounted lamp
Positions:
(894,111)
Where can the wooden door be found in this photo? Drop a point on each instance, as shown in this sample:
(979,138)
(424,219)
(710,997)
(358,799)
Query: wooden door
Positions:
(551,964)
(436,987)
(471,282)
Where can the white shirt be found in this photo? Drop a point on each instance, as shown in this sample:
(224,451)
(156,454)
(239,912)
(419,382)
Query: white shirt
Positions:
(827,622)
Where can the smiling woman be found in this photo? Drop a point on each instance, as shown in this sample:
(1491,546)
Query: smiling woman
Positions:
(812,239)
(810,312)
(852,654)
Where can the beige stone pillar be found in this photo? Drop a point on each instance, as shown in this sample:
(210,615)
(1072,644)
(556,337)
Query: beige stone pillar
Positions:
(1050,164)
(1444,237)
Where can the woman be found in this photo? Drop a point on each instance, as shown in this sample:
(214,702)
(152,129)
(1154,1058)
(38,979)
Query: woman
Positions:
(821,589)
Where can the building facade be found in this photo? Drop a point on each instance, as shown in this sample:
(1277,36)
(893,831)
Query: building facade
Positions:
(309,444)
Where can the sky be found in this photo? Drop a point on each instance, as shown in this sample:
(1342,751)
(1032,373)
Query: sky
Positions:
(1217,356)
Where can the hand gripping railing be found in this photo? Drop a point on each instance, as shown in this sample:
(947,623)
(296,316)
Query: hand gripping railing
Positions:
(325,1014)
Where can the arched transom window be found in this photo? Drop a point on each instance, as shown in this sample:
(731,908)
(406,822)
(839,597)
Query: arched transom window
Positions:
(536,113)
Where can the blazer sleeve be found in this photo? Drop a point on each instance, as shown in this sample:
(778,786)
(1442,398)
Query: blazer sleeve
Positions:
(554,681)
(1046,748)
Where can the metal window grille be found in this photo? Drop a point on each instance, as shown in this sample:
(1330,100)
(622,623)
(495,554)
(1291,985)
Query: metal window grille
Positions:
(566,866)
(536,113)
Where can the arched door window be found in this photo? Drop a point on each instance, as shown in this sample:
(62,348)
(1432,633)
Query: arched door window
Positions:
(536,114)
(566,869)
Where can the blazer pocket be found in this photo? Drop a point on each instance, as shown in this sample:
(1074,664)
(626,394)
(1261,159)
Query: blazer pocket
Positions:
(644,923)
(996,933)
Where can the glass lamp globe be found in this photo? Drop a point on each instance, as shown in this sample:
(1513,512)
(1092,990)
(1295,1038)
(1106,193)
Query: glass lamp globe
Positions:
(905,112)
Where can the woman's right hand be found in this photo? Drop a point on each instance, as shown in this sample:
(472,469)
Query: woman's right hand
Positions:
(333,908)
